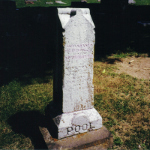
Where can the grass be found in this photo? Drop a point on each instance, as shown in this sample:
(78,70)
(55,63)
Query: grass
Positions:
(120,54)
(42,3)
(16,98)
(122,101)
(142,2)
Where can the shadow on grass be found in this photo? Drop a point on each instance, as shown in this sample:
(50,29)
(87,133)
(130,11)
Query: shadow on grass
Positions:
(27,123)
(51,111)
(108,60)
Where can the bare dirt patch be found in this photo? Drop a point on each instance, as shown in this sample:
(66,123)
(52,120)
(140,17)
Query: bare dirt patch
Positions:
(138,67)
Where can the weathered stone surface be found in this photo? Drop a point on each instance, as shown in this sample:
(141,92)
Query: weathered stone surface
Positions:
(73,81)
(77,122)
(79,38)
(98,139)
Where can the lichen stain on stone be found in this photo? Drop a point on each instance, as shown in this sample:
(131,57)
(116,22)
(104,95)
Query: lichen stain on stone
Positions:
(82,107)
(81,134)
(77,107)
(53,139)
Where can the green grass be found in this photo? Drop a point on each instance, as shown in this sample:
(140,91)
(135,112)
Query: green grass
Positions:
(142,2)
(88,1)
(122,101)
(42,3)
(16,98)
(120,54)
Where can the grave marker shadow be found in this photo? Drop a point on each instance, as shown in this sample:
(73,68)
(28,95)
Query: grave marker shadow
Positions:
(27,123)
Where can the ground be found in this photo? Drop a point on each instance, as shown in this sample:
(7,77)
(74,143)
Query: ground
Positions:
(138,67)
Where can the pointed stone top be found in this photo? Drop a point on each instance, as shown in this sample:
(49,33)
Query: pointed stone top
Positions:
(79,12)
(65,15)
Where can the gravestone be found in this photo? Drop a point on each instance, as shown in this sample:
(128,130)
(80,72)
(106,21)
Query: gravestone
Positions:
(131,1)
(49,2)
(60,2)
(73,111)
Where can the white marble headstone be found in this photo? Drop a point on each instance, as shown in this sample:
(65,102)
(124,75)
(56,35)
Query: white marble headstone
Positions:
(131,1)
(78,63)
(78,112)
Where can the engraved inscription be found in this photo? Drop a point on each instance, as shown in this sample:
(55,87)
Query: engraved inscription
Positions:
(84,127)
(79,128)
(69,130)
(79,51)
(78,75)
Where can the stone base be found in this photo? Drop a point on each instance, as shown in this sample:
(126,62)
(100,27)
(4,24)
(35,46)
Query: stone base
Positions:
(69,124)
(97,139)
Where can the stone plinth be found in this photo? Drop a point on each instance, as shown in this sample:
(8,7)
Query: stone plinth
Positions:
(77,122)
(100,139)
(73,104)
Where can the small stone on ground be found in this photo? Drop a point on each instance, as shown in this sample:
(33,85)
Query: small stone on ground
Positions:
(60,2)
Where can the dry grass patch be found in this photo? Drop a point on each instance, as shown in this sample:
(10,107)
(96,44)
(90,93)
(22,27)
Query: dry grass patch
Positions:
(123,102)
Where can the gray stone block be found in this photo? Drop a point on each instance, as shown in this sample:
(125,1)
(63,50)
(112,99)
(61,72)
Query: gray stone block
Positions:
(100,139)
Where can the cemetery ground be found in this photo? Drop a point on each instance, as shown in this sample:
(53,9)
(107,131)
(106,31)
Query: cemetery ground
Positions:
(26,82)
(122,100)
(39,3)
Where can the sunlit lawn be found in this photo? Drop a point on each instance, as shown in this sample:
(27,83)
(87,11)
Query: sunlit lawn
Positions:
(142,2)
(42,3)
(122,101)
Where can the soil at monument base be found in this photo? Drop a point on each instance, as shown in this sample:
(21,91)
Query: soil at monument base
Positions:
(138,67)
